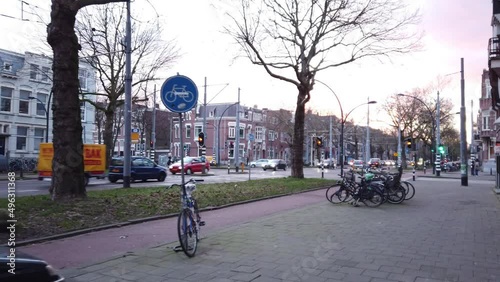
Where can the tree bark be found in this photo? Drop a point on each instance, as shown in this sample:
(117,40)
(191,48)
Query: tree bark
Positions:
(67,164)
(298,136)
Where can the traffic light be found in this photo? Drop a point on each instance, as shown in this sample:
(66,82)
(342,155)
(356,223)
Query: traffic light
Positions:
(408,143)
(441,148)
(319,142)
(201,139)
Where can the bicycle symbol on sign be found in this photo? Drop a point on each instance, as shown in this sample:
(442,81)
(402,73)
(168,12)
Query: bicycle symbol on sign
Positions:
(181,92)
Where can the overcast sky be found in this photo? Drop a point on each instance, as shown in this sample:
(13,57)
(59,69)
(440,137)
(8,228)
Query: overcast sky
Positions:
(453,29)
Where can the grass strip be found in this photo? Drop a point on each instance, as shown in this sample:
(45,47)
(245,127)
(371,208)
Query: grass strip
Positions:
(38,216)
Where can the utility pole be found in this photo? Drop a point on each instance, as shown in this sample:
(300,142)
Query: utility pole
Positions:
(128,101)
(237,132)
(472,147)
(463,142)
(367,150)
(399,146)
(153,129)
(330,142)
(438,136)
(203,152)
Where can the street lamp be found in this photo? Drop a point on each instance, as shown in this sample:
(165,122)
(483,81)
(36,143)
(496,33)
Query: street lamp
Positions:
(46,114)
(218,132)
(433,131)
(343,120)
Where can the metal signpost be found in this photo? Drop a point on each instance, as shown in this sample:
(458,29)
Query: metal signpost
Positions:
(250,140)
(179,94)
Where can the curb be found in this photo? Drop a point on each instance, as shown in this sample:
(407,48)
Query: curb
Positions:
(146,219)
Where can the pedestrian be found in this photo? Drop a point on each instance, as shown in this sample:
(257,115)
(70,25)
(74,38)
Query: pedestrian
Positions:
(476,167)
(473,168)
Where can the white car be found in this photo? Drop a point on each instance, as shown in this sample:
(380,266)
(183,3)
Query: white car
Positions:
(258,163)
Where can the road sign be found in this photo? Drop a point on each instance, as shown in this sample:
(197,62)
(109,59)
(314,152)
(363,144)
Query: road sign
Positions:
(179,94)
(135,135)
(250,137)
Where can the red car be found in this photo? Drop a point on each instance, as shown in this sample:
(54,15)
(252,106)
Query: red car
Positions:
(191,165)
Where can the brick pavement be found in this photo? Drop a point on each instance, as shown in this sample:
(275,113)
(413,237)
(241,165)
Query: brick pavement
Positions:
(445,233)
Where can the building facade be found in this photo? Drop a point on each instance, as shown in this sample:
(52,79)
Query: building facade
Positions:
(25,102)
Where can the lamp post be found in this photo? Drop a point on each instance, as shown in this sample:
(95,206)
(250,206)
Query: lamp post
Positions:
(433,131)
(46,114)
(218,131)
(343,120)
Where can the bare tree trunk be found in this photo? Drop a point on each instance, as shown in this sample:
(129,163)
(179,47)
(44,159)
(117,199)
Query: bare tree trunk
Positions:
(298,137)
(67,165)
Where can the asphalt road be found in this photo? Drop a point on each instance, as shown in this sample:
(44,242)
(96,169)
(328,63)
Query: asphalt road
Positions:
(36,187)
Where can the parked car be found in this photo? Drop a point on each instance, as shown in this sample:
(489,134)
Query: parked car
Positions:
(258,163)
(327,163)
(274,164)
(141,168)
(27,268)
(191,165)
(374,163)
(357,164)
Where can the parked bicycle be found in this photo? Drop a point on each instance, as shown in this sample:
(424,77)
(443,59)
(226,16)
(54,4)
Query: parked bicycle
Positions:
(355,192)
(189,220)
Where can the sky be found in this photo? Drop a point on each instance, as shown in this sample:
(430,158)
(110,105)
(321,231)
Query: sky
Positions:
(453,29)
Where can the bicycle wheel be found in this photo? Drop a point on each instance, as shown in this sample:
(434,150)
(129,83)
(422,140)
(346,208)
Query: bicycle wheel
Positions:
(170,96)
(396,195)
(189,97)
(372,197)
(410,190)
(188,232)
(336,196)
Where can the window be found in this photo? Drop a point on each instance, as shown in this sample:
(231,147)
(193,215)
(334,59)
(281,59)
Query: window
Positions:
(7,67)
(82,77)
(197,130)
(486,124)
(22,135)
(33,71)
(39,137)
(24,102)
(232,132)
(82,111)
(242,132)
(271,135)
(259,133)
(40,106)
(45,73)
(6,97)
(176,131)
(188,131)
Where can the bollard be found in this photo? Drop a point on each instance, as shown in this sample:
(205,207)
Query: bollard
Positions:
(425,168)
(413,173)
(322,171)
(491,171)
(242,167)
(228,168)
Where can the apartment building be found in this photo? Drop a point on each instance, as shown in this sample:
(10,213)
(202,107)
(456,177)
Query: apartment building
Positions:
(25,102)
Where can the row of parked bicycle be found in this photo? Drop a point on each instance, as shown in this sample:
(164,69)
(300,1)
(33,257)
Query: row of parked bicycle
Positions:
(373,188)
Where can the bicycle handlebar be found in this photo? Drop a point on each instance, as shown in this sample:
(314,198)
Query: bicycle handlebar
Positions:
(192,180)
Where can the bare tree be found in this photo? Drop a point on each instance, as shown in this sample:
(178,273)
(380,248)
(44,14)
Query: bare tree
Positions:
(294,40)
(68,176)
(100,33)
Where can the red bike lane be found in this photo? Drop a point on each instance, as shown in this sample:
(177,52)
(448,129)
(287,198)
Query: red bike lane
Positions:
(94,247)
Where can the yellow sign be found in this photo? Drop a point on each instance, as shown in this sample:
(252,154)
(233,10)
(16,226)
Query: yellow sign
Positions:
(94,159)
(395,154)
(134,137)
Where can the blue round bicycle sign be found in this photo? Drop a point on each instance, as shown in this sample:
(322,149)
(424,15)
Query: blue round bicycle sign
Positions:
(179,94)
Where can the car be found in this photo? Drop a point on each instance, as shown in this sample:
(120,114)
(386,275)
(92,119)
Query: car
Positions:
(327,163)
(274,164)
(357,164)
(258,163)
(191,165)
(374,163)
(27,268)
(141,168)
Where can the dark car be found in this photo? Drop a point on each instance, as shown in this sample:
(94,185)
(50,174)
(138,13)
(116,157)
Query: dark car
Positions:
(191,165)
(274,164)
(374,163)
(141,168)
(27,268)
